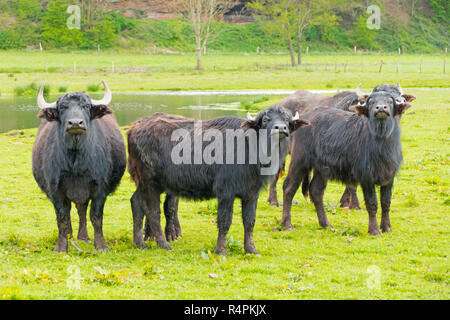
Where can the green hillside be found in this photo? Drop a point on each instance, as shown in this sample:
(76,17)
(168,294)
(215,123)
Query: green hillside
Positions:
(414,26)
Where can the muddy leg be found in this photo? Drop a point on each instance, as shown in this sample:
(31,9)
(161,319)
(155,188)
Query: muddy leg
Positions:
(96,216)
(305,186)
(290,187)
(370,198)
(224,218)
(62,209)
(82,228)
(316,190)
(173,228)
(138,216)
(385,199)
(345,199)
(273,197)
(248,219)
(354,202)
(152,202)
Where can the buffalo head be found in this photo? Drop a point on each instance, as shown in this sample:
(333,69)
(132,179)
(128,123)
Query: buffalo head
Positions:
(275,119)
(75,110)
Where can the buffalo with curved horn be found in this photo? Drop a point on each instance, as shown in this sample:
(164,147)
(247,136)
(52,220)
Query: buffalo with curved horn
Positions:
(78,156)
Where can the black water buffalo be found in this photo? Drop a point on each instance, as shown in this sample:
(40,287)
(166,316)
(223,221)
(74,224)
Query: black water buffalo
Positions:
(303,101)
(354,148)
(79,156)
(225,175)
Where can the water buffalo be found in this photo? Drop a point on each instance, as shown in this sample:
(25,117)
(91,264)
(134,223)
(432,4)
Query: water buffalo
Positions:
(354,148)
(152,142)
(78,156)
(303,101)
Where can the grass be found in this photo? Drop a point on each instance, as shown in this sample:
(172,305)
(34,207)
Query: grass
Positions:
(412,262)
(227,72)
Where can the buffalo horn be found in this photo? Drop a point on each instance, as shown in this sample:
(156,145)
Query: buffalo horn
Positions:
(41,100)
(106,99)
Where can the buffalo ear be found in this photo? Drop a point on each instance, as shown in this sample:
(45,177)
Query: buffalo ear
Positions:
(250,124)
(358,109)
(401,108)
(100,111)
(409,97)
(49,114)
(300,123)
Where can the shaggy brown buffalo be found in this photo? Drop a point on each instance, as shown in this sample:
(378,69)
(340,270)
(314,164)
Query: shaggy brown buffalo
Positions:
(303,101)
(79,156)
(362,148)
(157,165)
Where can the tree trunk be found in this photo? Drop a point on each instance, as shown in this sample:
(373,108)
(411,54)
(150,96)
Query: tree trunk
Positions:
(199,59)
(291,51)
(299,47)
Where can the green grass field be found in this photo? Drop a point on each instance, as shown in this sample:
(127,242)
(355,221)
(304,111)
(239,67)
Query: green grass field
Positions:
(412,262)
(139,72)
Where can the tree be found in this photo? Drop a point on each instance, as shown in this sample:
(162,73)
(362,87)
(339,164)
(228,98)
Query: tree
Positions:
(201,14)
(289,18)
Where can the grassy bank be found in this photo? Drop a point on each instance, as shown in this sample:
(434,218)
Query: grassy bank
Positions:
(308,262)
(139,72)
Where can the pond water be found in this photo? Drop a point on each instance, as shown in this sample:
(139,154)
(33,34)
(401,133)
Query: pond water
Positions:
(20,112)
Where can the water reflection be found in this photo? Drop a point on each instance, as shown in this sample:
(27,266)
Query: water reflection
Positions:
(20,112)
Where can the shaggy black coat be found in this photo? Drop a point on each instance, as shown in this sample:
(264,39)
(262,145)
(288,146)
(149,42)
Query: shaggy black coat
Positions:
(81,167)
(362,148)
(303,101)
(152,168)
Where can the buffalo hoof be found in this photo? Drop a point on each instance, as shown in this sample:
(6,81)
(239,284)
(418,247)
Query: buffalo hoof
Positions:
(386,229)
(355,207)
(326,225)
(375,232)
(140,244)
(172,233)
(61,245)
(274,203)
(164,245)
(84,238)
(252,250)
(222,252)
(288,227)
(100,246)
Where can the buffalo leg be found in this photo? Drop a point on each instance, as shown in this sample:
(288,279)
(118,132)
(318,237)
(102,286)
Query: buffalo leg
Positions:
(173,228)
(316,190)
(305,186)
(82,227)
(385,199)
(354,202)
(290,187)
(138,212)
(96,216)
(248,219)
(62,209)
(153,214)
(224,218)
(370,198)
(350,198)
(345,199)
(273,197)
